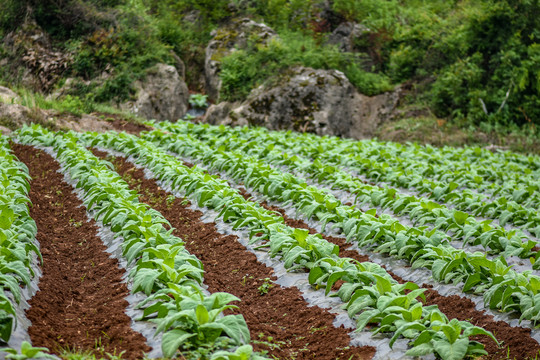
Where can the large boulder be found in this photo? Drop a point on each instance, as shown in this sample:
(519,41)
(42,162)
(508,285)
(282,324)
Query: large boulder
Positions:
(161,95)
(227,39)
(14,115)
(219,114)
(318,101)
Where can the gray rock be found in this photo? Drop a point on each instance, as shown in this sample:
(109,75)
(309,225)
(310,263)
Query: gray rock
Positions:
(13,116)
(219,113)
(226,40)
(318,101)
(83,123)
(161,95)
(8,96)
(345,34)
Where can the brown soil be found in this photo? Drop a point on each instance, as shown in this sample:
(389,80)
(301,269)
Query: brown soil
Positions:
(81,301)
(519,340)
(280,321)
(130,127)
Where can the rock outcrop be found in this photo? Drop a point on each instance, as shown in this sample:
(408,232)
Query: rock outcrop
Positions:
(13,116)
(161,95)
(318,101)
(31,56)
(226,40)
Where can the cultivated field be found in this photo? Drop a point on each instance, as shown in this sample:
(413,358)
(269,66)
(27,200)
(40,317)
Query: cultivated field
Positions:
(206,242)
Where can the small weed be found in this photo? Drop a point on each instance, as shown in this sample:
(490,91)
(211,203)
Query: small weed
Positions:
(269,342)
(314,329)
(74,223)
(170,200)
(245,279)
(266,286)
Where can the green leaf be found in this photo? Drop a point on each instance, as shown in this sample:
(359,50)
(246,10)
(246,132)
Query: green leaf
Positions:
(235,327)
(314,274)
(6,324)
(144,280)
(505,217)
(364,318)
(409,326)
(202,314)
(420,350)
(455,351)
(332,279)
(460,217)
(383,285)
(172,340)
(471,282)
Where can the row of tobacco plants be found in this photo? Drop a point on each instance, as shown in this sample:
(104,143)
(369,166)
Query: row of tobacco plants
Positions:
(370,294)
(190,319)
(502,288)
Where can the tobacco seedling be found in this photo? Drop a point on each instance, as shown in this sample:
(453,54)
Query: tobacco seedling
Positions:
(198,100)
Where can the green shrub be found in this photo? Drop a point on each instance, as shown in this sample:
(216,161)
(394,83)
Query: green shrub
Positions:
(245,69)
(117,88)
(12,13)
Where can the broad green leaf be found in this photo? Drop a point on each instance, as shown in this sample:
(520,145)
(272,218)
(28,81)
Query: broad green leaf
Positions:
(455,351)
(172,340)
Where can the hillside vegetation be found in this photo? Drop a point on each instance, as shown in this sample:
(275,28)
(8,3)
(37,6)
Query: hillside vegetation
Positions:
(471,63)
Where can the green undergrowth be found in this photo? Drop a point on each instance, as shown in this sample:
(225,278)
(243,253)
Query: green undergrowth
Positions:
(477,61)
(245,69)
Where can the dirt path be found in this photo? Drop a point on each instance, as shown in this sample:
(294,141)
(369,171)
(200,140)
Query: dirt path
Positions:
(522,345)
(280,321)
(81,302)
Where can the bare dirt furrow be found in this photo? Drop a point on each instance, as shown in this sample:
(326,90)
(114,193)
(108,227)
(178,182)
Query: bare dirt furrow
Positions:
(519,340)
(81,302)
(280,320)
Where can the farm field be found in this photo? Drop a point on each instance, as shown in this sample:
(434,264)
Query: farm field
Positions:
(193,241)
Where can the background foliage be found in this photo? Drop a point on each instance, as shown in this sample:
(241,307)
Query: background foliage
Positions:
(470,61)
